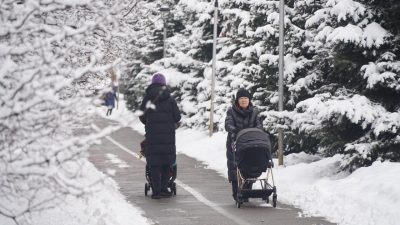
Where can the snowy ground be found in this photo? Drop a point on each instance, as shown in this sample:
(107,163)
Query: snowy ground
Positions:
(106,206)
(369,196)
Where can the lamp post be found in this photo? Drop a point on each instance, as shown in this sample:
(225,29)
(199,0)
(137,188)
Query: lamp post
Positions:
(164,10)
(213,68)
(281,68)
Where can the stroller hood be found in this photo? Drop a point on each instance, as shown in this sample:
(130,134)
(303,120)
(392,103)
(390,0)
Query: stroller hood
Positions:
(252,136)
(253,150)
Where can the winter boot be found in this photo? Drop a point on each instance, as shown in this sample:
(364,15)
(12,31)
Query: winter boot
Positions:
(164,181)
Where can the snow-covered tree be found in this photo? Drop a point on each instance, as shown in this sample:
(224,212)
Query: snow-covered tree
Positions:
(147,48)
(340,81)
(184,61)
(345,102)
(52,56)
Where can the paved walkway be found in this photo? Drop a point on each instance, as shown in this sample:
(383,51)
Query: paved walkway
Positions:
(203,196)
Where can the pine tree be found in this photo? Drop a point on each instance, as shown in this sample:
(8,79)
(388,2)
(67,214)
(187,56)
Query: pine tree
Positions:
(53,54)
(146,49)
(188,56)
(341,81)
(346,103)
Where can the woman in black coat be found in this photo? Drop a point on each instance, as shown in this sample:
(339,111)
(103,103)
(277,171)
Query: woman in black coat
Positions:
(160,132)
(241,115)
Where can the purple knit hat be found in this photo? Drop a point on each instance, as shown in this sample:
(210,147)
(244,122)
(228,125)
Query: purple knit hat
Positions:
(158,78)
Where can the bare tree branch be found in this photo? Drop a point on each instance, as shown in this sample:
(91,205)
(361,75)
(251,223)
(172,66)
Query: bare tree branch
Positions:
(131,8)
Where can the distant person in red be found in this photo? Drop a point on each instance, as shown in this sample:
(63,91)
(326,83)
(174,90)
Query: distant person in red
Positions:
(240,116)
(110,99)
(160,133)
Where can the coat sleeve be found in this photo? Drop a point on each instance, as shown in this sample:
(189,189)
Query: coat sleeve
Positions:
(143,108)
(257,121)
(176,112)
(230,125)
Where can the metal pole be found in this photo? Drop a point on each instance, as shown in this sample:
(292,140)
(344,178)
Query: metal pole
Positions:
(165,37)
(281,68)
(213,69)
(164,10)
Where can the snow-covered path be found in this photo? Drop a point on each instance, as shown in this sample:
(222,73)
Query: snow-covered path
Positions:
(316,185)
(203,196)
(368,196)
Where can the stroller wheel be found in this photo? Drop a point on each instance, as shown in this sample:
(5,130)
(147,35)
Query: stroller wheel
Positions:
(274,199)
(145,189)
(238,204)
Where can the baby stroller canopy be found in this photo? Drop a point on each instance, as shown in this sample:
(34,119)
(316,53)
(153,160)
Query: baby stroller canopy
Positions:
(253,149)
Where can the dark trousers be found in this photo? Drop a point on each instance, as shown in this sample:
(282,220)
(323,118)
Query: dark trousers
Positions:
(160,177)
(235,187)
(109,111)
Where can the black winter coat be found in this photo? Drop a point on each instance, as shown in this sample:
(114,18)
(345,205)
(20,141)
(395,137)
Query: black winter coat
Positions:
(160,125)
(236,120)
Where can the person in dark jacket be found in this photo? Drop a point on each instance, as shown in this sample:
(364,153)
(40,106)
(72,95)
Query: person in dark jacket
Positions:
(110,100)
(241,115)
(159,124)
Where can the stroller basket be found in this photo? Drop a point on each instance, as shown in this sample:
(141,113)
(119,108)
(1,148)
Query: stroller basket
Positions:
(248,193)
(172,173)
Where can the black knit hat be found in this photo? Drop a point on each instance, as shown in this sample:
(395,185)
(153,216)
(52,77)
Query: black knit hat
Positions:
(242,93)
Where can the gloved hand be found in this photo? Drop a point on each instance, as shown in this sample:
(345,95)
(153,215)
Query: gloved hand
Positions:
(236,131)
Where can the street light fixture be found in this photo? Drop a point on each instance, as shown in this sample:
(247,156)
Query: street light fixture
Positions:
(164,10)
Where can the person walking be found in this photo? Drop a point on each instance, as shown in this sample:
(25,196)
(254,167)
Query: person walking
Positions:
(160,133)
(110,100)
(240,116)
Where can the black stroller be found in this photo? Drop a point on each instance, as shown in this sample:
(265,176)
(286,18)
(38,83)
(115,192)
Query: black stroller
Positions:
(149,184)
(171,183)
(253,157)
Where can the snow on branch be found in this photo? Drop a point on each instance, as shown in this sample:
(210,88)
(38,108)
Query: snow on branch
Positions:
(53,57)
(382,72)
(358,109)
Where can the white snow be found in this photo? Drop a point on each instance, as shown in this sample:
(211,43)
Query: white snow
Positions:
(349,33)
(356,108)
(374,34)
(346,8)
(106,206)
(370,195)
